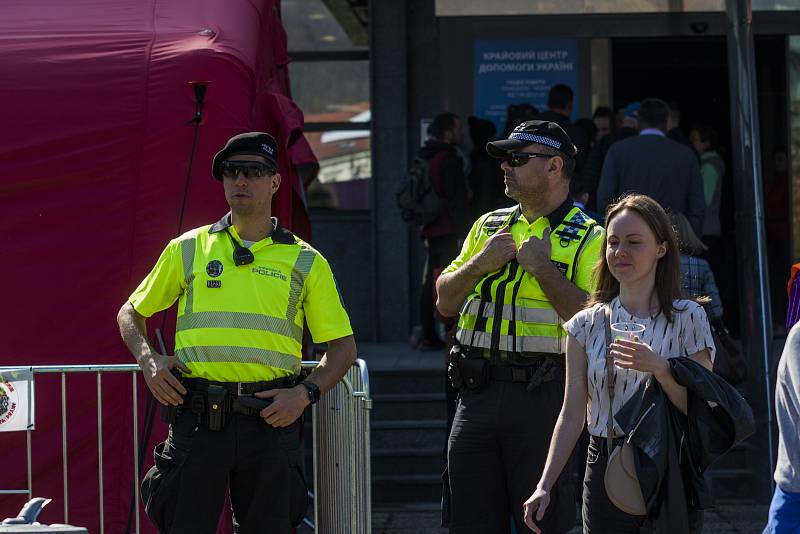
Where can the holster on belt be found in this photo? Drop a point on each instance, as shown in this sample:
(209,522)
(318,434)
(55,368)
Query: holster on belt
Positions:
(545,372)
(467,369)
(542,369)
(169,411)
(217,401)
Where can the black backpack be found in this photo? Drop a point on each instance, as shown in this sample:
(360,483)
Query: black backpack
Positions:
(418,201)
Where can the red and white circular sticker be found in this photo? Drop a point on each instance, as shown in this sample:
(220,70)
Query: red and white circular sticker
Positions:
(9,403)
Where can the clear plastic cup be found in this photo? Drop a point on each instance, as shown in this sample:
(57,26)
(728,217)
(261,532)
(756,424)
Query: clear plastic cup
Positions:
(629,331)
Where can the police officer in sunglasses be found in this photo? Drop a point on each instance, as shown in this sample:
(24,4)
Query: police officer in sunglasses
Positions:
(523,271)
(246,287)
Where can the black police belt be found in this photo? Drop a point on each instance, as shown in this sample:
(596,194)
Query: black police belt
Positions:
(215,401)
(542,369)
(240,388)
(468,369)
(232,397)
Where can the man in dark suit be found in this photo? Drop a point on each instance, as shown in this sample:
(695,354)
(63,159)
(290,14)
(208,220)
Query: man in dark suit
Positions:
(652,164)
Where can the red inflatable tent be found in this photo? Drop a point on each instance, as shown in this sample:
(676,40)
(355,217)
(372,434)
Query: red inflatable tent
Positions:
(105,139)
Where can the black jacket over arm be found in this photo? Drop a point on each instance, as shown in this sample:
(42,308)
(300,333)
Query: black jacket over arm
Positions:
(672,450)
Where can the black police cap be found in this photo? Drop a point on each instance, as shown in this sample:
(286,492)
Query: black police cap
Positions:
(545,133)
(253,143)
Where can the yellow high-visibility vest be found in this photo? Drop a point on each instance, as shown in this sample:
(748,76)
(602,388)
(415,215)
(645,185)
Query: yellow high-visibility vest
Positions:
(508,312)
(243,323)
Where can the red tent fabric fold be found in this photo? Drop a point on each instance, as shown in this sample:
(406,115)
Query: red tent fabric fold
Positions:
(97,147)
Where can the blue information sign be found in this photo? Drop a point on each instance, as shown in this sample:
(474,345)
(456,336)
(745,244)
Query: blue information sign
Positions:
(521,71)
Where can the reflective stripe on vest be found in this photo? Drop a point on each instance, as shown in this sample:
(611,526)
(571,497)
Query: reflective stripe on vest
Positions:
(248,321)
(195,355)
(507,343)
(253,321)
(187,257)
(509,312)
(497,318)
(206,338)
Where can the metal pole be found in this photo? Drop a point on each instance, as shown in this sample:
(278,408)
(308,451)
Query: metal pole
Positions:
(756,318)
(64,442)
(315,459)
(135,452)
(352,414)
(30,466)
(29,430)
(100,446)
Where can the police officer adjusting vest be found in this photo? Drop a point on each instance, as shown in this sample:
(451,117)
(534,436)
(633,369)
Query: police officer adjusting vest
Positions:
(508,312)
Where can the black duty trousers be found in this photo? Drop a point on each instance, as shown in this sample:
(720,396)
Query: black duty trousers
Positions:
(261,464)
(496,454)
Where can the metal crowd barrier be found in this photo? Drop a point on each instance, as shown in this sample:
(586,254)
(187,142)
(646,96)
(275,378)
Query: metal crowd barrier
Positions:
(341,448)
(341,470)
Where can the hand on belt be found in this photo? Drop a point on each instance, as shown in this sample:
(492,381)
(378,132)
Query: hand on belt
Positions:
(249,405)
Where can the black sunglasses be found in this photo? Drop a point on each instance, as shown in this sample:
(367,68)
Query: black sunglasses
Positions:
(250,169)
(518,159)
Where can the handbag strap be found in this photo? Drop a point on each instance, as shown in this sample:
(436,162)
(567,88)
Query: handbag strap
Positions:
(609,383)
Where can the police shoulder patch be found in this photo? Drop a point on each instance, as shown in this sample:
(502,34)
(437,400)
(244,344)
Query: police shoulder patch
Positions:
(497,219)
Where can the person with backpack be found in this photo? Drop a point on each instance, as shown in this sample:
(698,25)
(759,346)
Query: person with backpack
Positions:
(443,211)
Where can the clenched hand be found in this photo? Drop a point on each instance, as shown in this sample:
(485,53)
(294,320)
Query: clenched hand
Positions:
(498,250)
(164,386)
(534,253)
(287,405)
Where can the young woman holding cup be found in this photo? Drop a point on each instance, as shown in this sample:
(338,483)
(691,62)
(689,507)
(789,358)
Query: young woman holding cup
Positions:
(639,280)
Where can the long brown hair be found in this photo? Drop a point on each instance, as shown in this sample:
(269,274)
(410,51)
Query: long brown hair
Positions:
(668,270)
(688,242)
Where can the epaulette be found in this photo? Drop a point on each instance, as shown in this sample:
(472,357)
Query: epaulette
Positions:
(500,218)
(575,227)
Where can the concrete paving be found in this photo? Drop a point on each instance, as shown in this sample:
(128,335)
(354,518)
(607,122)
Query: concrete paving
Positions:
(725,519)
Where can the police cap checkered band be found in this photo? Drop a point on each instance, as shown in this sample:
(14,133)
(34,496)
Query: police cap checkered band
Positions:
(253,143)
(545,133)
(536,139)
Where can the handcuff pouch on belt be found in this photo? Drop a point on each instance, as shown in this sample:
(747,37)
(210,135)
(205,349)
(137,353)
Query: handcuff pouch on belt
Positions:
(216,399)
(467,369)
